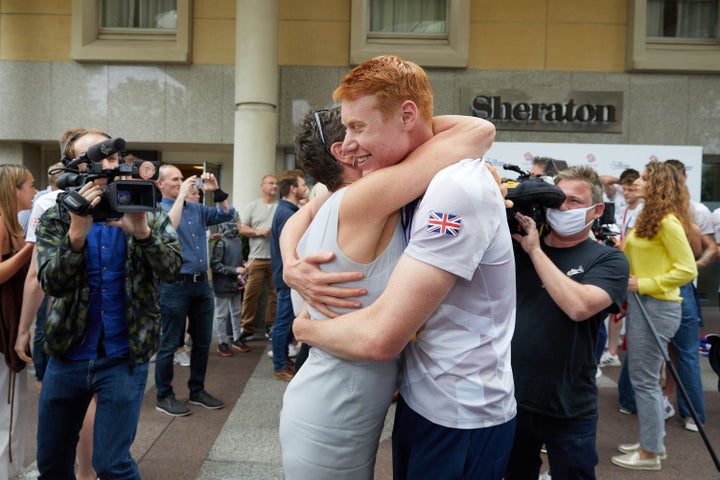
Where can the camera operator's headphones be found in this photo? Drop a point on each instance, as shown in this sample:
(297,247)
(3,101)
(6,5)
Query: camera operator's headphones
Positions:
(64,157)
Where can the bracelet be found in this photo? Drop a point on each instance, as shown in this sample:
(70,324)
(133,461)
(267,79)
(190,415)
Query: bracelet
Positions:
(220,196)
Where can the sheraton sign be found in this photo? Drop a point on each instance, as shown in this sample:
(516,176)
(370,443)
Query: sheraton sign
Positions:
(550,110)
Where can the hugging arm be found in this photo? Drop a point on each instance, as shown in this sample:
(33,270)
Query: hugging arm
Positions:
(380,331)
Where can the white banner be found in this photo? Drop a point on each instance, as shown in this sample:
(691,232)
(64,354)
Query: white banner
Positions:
(606,159)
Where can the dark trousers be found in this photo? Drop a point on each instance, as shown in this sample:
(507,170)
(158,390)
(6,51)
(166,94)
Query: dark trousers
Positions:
(424,450)
(570,444)
(180,300)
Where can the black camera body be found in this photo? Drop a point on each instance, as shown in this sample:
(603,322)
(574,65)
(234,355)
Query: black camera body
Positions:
(531,195)
(118,197)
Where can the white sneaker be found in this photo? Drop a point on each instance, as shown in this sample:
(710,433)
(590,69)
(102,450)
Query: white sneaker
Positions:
(269,353)
(668,409)
(293,351)
(182,358)
(691,425)
(545,476)
(609,360)
(598,373)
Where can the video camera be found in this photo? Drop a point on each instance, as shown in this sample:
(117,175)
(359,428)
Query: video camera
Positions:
(604,228)
(531,195)
(119,196)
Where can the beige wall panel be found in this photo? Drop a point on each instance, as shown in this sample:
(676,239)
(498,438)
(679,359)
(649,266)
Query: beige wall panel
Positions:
(507,46)
(595,48)
(313,43)
(214,9)
(36,6)
(314,10)
(50,43)
(214,41)
(508,11)
(587,11)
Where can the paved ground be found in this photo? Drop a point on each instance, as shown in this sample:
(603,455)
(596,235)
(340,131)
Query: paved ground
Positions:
(241,442)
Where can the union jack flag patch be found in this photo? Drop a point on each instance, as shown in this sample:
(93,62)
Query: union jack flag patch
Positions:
(444,223)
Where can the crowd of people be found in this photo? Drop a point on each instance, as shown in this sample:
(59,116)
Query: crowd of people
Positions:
(418,294)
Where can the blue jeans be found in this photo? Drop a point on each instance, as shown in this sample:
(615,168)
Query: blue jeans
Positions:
(67,389)
(180,300)
(282,328)
(686,343)
(626,395)
(601,341)
(570,444)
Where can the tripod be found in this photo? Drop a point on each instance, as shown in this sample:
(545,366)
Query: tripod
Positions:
(681,387)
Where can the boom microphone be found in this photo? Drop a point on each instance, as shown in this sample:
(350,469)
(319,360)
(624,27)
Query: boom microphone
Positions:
(104,149)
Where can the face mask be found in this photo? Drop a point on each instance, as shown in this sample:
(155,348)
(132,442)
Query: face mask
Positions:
(568,222)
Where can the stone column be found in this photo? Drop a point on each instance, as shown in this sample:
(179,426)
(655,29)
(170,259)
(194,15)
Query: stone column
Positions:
(256,97)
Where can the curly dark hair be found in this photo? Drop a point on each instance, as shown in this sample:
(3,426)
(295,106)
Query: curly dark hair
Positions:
(312,155)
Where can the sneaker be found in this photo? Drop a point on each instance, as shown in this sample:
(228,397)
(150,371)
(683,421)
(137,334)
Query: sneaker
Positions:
(668,409)
(182,358)
(224,350)
(598,373)
(269,353)
(625,411)
(633,461)
(206,400)
(240,346)
(293,351)
(633,447)
(247,336)
(609,360)
(285,375)
(545,476)
(690,425)
(268,333)
(170,406)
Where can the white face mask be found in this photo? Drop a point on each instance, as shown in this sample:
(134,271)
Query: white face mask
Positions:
(568,222)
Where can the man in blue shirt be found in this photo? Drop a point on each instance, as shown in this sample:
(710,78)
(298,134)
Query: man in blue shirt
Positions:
(104,323)
(190,295)
(292,189)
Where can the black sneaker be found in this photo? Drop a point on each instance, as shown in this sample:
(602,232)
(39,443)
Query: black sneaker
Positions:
(224,350)
(246,336)
(170,406)
(206,400)
(268,333)
(240,346)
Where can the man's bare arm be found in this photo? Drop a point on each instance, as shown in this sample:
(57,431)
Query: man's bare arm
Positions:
(380,331)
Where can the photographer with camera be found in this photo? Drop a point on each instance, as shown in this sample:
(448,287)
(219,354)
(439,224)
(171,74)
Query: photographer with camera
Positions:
(566,285)
(189,294)
(105,320)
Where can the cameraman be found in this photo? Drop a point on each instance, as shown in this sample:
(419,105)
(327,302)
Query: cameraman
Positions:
(104,323)
(566,285)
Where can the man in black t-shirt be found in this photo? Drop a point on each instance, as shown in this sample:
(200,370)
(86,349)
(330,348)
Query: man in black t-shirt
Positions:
(566,285)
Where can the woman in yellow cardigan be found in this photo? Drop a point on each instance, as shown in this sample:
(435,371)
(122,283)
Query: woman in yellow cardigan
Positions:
(660,261)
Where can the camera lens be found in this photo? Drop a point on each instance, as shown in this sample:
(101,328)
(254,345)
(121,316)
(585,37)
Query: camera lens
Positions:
(124,197)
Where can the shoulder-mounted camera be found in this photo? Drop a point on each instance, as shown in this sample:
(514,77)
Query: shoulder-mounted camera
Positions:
(136,194)
(531,195)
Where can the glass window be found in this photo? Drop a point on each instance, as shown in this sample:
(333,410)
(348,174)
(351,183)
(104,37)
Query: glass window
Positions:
(131,30)
(677,35)
(431,33)
(426,17)
(138,14)
(682,19)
